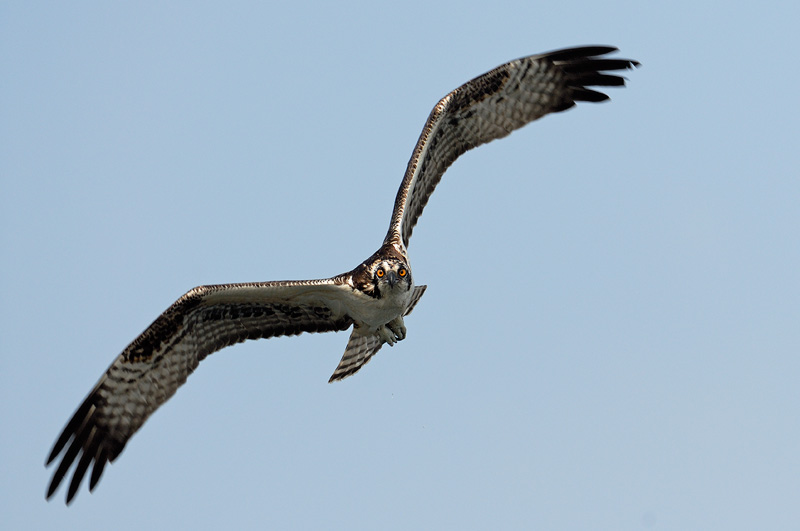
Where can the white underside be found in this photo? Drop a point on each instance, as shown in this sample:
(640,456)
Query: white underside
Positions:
(370,313)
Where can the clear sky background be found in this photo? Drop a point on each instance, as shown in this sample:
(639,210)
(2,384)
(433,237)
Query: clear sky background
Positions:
(611,334)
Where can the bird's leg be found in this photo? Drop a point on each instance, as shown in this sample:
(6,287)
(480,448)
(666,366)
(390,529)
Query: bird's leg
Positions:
(386,335)
(393,331)
(398,328)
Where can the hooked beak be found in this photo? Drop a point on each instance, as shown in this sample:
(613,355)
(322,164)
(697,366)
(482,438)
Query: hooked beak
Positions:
(392,278)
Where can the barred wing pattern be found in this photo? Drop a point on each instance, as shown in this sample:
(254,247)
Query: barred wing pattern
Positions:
(150,370)
(491,106)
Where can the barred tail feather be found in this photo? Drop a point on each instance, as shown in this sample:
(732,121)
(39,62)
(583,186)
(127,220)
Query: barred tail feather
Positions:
(358,352)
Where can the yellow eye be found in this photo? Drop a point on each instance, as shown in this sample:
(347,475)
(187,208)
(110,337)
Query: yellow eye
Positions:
(402,272)
(379,273)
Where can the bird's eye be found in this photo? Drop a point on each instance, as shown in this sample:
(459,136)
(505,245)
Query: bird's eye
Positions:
(402,272)
(379,273)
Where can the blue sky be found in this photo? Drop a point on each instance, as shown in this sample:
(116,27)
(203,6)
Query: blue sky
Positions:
(611,332)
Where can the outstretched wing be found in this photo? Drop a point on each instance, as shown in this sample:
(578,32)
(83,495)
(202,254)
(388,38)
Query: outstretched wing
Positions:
(491,106)
(150,370)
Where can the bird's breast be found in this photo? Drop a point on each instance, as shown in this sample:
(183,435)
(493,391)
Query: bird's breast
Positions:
(372,312)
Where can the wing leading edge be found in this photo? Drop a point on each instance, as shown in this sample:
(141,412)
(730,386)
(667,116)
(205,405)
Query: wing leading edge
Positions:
(152,368)
(491,106)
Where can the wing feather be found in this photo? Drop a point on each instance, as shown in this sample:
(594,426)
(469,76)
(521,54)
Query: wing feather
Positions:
(491,106)
(157,363)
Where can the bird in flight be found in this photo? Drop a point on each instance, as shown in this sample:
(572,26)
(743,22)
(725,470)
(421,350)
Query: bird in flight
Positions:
(372,299)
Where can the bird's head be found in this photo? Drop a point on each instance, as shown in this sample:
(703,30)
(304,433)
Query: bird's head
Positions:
(390,276)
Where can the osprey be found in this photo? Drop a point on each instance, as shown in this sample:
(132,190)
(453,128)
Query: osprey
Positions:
(373,298)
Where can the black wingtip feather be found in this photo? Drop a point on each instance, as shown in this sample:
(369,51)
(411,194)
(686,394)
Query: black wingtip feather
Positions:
(71,428)
(584,94)
(77,476)
(97,470)
(564,105)
(603,80)
(81,436)
(599,65)
(579,52)
(66,462)
(585,68)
